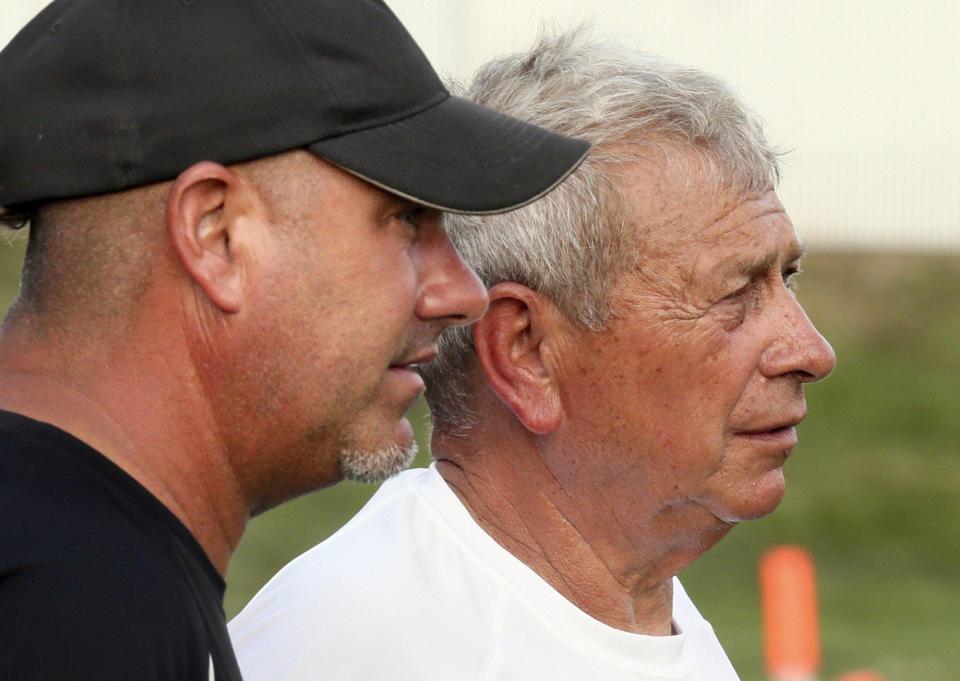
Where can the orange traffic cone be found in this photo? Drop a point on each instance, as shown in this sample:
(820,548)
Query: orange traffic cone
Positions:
(790,620)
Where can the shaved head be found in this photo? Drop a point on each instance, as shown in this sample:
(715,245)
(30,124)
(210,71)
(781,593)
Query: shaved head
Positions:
(91,260)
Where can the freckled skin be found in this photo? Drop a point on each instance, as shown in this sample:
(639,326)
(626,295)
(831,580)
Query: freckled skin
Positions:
(671,424)
(655,401)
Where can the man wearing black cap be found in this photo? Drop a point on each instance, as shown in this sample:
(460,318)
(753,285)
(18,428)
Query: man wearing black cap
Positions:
(212,318)
(630,396)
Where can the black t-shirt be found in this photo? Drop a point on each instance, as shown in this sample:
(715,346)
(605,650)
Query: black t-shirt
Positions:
(98,579)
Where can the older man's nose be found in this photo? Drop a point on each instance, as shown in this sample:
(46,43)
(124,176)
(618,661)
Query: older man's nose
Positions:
(449,291)
(798,348)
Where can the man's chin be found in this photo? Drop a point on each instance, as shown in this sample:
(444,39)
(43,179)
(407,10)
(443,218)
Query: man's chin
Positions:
(760,501)
(373,467)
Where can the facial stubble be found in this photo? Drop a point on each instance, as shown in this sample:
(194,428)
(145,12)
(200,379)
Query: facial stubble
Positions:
(373,467)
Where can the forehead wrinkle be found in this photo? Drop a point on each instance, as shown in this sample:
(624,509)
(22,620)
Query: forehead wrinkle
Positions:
(788,252)
(739,225)
(794,251)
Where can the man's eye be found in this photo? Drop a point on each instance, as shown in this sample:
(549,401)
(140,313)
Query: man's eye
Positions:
(732,308)
(790,276)
(412,215)
(739,293)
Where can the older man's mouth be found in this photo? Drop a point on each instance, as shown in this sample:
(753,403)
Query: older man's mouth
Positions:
(781,433)
(780,438)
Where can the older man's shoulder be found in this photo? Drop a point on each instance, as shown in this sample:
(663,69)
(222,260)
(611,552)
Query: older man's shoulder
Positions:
(398,544)
(366,602)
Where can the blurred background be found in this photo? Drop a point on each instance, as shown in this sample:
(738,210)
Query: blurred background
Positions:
(866,96)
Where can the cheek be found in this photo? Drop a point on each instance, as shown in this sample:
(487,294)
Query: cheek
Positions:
(362,295)
(739,383)
(383,287)
(691,375)
(690,392)
(730,362)
(669,388)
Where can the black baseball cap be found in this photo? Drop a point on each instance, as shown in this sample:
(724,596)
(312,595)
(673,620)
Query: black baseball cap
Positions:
(97,96)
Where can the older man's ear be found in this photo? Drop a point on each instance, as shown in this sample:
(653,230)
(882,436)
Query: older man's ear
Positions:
(515,345)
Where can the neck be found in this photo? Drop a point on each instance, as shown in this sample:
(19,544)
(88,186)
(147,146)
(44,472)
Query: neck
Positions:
(618,573)
(139,414)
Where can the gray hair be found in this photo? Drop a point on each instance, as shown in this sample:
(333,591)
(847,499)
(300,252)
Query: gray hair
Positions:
(573,244)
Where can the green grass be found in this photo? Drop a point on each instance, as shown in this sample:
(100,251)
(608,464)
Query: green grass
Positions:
(12,246)
(874,488)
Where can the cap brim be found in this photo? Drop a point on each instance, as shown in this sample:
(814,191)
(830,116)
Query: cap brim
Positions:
(459,157)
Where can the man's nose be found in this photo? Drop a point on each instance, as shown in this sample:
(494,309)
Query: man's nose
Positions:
(449,290)
(799,348)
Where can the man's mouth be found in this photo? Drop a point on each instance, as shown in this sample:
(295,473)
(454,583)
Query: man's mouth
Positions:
(780,432)
(413,362)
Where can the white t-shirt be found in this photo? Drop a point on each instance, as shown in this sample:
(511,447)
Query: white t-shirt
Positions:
(413,589)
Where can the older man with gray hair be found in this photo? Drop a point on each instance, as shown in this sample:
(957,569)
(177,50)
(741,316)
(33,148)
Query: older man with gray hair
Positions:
(631,395)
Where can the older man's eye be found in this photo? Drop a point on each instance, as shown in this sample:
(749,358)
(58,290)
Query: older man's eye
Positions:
(732,309)
(790,276)
(740,294)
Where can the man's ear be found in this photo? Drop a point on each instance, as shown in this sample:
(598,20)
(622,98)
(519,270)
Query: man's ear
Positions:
(513,345)
(206,207)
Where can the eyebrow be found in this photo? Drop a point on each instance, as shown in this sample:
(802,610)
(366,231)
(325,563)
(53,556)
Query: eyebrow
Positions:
(753,267)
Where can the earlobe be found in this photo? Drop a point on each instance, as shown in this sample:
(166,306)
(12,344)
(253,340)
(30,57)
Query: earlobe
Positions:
(511,342)
(201,219)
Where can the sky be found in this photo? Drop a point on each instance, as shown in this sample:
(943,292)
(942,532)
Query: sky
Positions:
(865,95)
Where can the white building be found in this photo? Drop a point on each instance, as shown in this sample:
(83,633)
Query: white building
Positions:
(866,93)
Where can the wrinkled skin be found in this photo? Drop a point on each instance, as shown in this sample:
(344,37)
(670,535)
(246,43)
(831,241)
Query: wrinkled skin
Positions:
(683,410)
(609,460)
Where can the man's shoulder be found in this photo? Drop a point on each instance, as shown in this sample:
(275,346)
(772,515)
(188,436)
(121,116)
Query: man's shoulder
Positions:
(387,578)
(88,587)
(103,585)
(99,611)
(64,527)
(712,660)
(377,550)
(685,612)
(47,474)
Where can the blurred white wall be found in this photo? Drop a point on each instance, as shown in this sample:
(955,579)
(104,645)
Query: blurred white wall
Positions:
(865,93)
